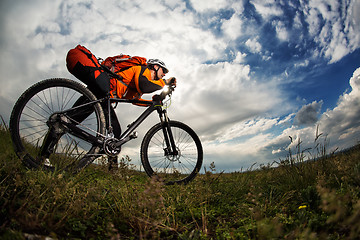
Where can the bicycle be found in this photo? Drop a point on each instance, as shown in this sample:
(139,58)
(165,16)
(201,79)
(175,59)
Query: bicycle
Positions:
(48,131)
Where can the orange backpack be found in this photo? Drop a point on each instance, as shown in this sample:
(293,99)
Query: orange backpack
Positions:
(122,62)
(118,64)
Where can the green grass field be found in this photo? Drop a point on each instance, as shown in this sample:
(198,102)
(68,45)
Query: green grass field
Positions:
(297,200)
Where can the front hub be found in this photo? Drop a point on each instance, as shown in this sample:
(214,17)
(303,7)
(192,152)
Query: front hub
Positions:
(173,156)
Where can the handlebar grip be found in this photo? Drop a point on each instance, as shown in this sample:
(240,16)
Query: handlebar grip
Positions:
(172,81)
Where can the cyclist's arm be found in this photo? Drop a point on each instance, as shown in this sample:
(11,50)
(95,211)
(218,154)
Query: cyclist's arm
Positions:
(146,85)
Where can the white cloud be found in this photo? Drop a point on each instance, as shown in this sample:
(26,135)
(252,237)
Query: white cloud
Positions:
(233,27)
(240,57)
(202,6)
(344,119)
(335,31)
(253,45)
(223,94)
(281,31)
(305,63)
(297,22)
(313,21)
(267,8)
(247,128)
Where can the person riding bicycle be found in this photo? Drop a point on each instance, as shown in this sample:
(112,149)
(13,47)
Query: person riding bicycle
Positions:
(133,82)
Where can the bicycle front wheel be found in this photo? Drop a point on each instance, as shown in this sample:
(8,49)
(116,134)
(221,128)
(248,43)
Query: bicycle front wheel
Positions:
(181,167)
(39,136)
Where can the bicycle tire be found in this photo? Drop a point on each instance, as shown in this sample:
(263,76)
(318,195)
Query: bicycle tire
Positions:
(31,115)
(179,169)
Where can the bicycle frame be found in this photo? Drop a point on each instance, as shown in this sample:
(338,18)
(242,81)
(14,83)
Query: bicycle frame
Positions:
(156,104)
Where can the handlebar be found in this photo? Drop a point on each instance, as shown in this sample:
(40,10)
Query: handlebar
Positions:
(167,91)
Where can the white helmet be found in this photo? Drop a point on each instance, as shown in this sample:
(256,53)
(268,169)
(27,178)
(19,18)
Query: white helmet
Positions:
(152,62)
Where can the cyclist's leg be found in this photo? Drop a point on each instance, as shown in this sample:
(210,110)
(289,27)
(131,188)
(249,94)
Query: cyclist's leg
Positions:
(115,123)
(80,115)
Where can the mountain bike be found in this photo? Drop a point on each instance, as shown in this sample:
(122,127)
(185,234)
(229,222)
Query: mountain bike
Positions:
(48,131)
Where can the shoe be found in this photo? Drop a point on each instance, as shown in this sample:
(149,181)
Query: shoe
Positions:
(47,163)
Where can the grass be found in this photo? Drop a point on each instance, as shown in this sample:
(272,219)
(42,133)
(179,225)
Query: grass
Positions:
(297,200)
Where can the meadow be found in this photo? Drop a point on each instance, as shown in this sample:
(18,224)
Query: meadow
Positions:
(302,198)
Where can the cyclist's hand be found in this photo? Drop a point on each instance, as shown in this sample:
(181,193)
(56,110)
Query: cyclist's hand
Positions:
(171,81)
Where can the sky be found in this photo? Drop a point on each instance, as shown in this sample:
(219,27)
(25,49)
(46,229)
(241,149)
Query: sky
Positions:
(250,73)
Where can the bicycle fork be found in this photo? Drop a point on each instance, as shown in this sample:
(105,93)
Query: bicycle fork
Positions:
(170,148)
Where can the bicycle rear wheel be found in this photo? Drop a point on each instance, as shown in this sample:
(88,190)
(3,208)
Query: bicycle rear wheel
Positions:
(39,136)
(179,168)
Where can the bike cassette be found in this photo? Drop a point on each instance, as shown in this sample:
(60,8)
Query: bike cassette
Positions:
(110,147)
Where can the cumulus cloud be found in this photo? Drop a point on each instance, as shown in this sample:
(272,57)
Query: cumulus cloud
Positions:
(267,8)
(308,114)
(343,122)
(233,27)
(254,141)
(253,45)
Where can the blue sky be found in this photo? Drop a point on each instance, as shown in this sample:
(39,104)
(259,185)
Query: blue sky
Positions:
(250,73)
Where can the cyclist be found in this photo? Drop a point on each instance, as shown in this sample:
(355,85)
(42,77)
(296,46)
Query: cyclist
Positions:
(135,81)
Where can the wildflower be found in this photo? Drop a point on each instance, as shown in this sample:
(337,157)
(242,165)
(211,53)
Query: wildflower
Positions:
(302,207)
